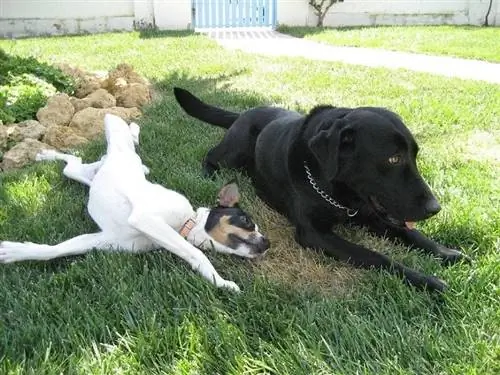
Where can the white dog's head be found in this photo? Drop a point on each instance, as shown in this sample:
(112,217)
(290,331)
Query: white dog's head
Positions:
(229,229)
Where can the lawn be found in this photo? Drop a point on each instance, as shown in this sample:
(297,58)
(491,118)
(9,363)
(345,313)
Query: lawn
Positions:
(299,312)
(469,42)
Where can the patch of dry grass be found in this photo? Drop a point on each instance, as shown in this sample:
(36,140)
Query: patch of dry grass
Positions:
(289,263)
(483,146)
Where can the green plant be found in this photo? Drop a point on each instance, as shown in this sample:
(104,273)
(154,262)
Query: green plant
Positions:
(5,116)
(24,95)
(26,84)
(11,66)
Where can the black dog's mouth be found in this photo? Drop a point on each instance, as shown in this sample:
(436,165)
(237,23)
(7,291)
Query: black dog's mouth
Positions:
(384,215)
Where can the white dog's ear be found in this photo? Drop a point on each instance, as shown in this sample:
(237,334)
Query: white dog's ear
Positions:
(229,195)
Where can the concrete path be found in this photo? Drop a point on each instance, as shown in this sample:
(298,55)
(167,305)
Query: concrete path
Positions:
(271,43)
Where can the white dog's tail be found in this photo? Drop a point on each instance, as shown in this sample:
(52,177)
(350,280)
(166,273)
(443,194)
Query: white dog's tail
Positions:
(119,135)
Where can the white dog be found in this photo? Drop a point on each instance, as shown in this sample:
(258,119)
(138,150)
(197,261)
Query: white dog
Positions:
(137,215)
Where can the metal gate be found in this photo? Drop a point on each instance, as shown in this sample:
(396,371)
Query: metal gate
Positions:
(233,13)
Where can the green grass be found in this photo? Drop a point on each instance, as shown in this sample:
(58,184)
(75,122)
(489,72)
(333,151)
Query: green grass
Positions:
(298,313)
(469,42)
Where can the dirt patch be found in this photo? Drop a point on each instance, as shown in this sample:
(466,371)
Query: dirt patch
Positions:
(482,146)
(288,263)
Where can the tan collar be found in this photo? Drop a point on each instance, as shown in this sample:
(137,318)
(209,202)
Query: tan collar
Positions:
(186,228)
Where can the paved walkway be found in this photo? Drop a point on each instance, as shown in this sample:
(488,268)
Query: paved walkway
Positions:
(272,43)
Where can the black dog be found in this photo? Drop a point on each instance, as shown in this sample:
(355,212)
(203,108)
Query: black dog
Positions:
(333,165)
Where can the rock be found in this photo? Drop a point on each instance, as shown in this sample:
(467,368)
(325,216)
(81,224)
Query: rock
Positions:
(79,104)
(133,95)
(23,153)
(122,75)
(89,122)
(101,99)
(75,73)
(27,129)
(128,114)
(3,137)
(58,111)
(114,86)
(98,99)
(86,82)
(87,85)
(27,123)
(63,137)
(7,136)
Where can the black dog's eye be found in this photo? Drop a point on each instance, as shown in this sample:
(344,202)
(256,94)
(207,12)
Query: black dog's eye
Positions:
(395,159)
(244,220)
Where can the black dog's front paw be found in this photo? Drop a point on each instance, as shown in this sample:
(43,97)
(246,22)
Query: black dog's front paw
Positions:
(421,281)
(208,170)
(435,284)
(451,256)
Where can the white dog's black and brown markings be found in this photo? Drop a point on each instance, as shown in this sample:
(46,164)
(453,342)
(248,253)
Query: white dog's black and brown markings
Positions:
(136,215)
(330,166)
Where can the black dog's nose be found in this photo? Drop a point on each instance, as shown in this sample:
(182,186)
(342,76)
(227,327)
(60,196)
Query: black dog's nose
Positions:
(432,207)
(264,244)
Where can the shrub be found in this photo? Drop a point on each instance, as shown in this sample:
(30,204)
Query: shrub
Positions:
(24,95)
(26,84)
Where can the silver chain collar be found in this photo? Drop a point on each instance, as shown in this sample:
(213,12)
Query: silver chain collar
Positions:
(350,212)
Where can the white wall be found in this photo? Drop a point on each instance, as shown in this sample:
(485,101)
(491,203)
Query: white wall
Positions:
(172,14)
(57,17)
(65,8)
(391,12)
(295,13)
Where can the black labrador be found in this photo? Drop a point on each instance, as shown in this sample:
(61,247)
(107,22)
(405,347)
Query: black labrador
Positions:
(330,166)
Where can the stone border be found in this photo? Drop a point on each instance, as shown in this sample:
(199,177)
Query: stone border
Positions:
(67,121)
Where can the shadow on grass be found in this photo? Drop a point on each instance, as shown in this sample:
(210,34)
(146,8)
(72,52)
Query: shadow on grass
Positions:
(150,311)
(173,149)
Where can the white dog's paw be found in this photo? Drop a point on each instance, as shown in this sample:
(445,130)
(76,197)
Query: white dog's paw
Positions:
(46,155)
(229,285)
(17,251)
(11,251)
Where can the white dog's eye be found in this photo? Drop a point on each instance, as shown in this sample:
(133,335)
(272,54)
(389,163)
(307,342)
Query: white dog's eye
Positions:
(395,159)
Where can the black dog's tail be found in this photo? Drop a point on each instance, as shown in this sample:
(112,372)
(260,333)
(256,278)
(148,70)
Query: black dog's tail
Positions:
(202,111)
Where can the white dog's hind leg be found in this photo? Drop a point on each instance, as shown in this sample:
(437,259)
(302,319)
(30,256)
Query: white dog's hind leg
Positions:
(134,131)
(83,173)
(74,168)
(17,251)
(165,236)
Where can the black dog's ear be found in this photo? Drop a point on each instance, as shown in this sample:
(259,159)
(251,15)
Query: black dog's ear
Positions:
(327,145)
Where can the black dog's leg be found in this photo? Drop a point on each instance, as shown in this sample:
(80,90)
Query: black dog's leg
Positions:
(336,247)
(210,165)
(416,239)
(223,156)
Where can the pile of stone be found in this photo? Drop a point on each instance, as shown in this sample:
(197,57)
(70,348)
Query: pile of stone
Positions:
(68,122)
